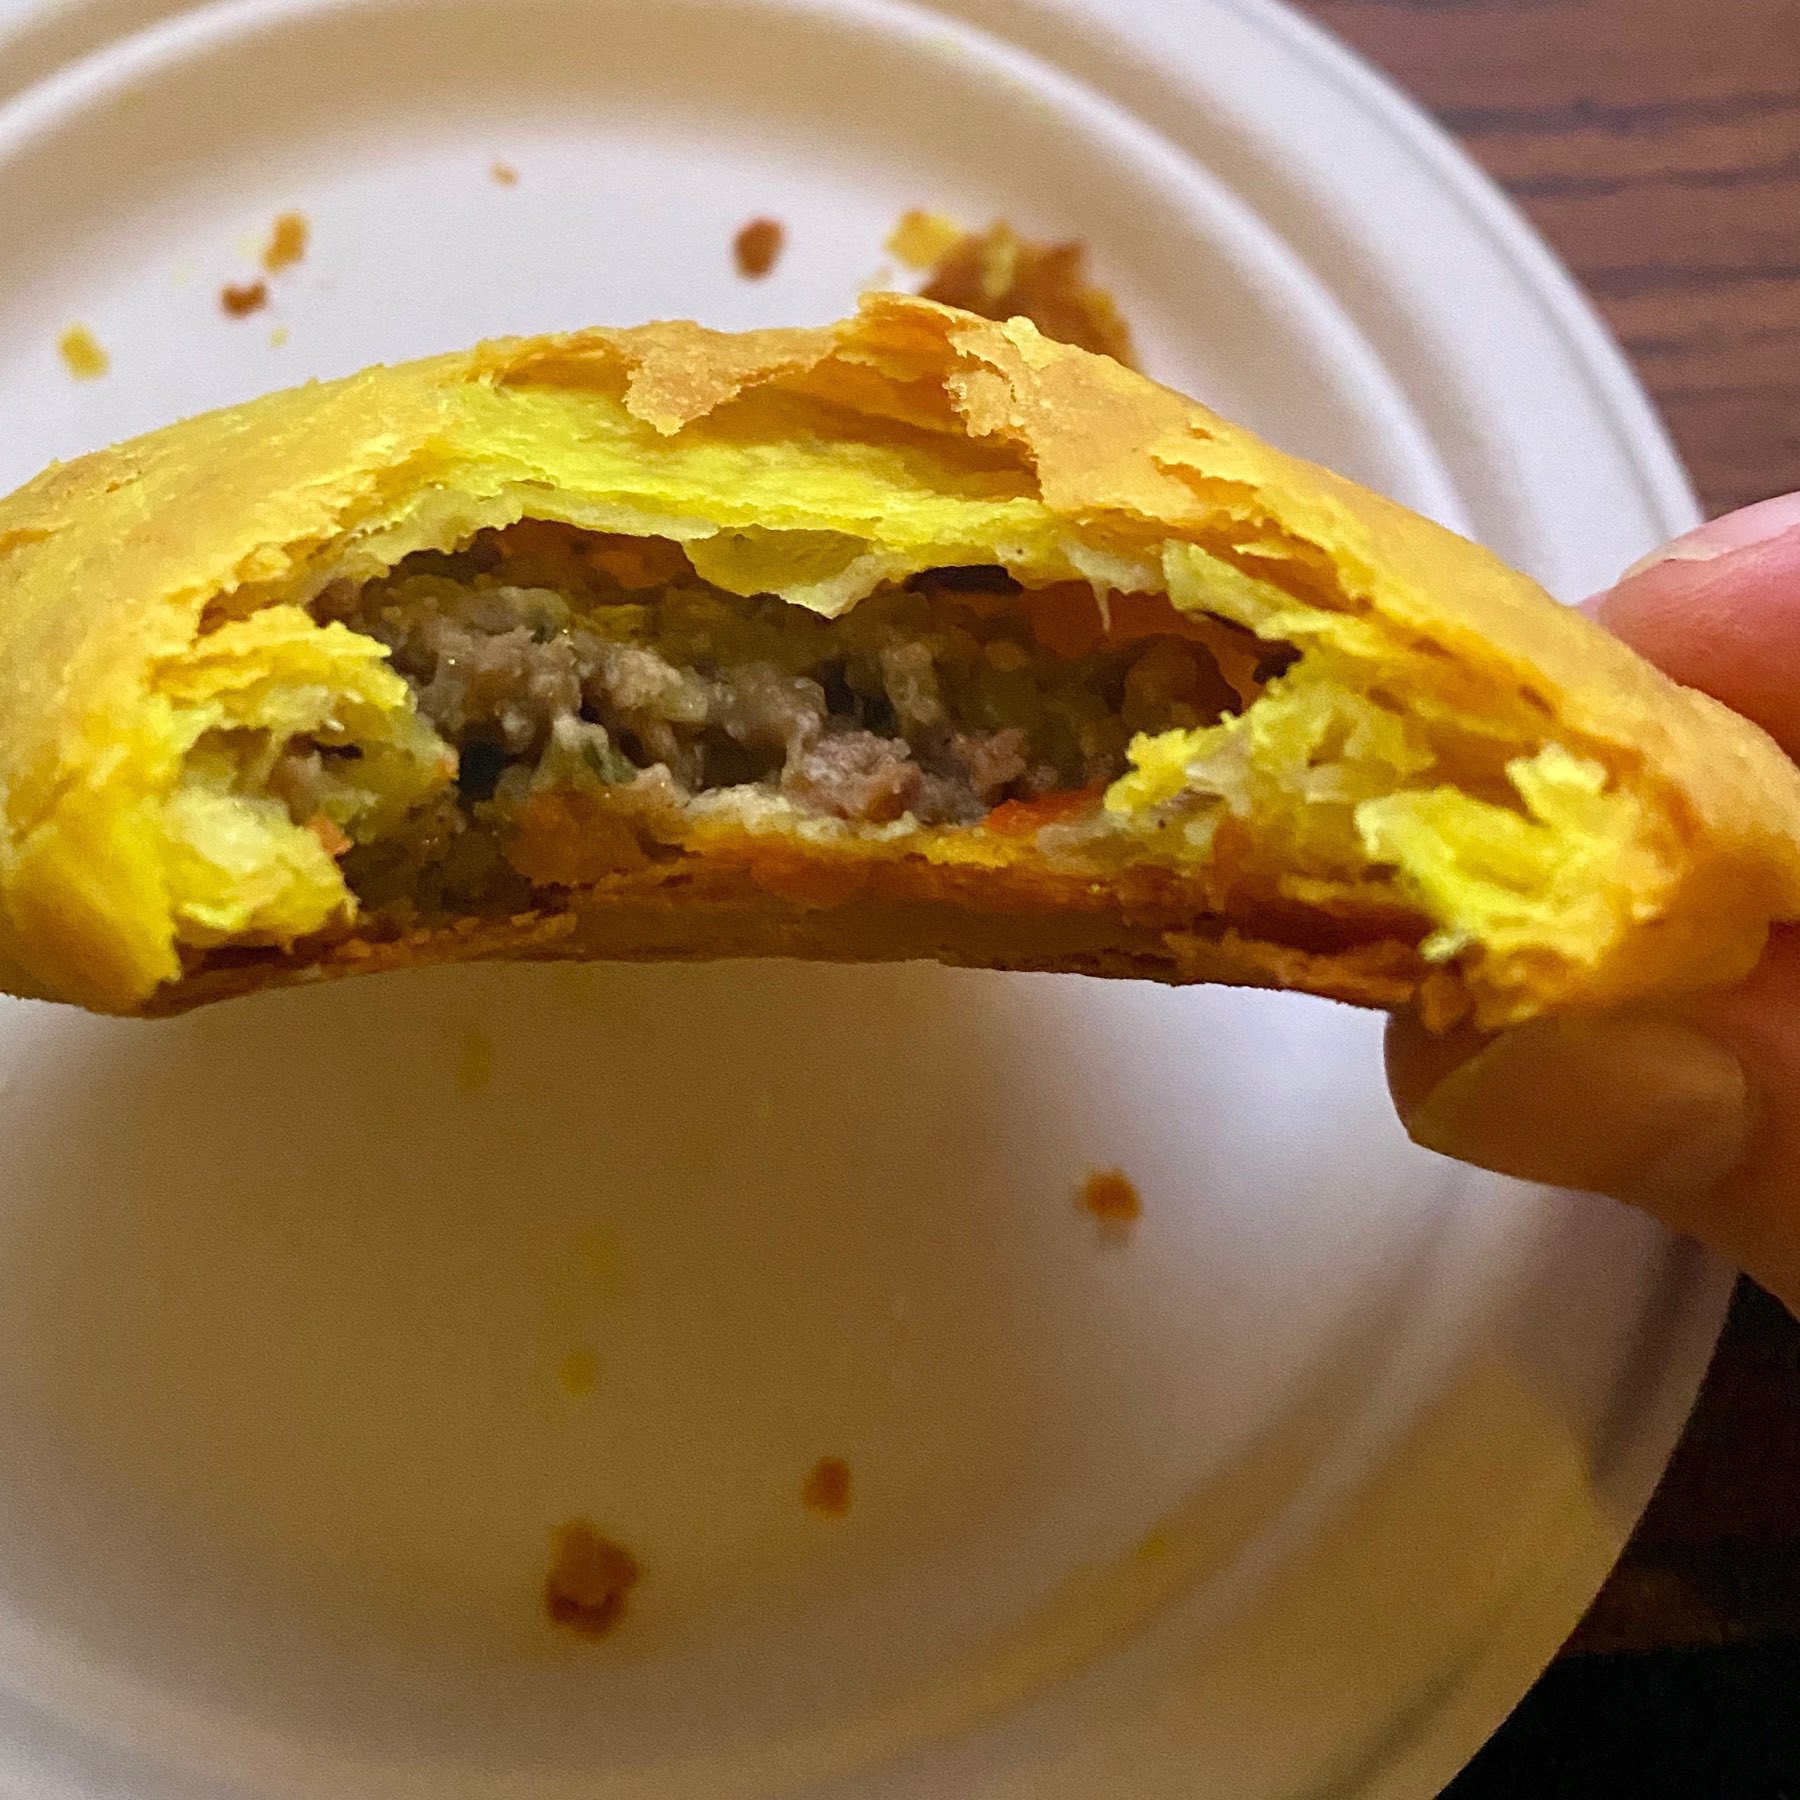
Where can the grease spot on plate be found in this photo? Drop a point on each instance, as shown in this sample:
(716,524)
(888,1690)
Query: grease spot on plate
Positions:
(474,1061)
(826,1489)
(579,1372)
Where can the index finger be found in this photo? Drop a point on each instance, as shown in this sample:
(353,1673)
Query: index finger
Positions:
(1720,610)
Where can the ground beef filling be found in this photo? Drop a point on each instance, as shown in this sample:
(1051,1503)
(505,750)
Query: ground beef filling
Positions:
(602,672)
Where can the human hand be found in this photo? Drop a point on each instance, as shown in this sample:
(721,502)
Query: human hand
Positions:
(1691,1111)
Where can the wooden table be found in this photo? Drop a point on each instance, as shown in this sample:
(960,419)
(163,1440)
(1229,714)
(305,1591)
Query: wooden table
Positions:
(1656,144)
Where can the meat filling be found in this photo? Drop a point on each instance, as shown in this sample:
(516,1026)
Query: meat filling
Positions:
(559,663)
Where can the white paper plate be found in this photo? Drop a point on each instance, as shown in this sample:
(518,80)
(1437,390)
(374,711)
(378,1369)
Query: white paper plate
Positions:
(1291,1494)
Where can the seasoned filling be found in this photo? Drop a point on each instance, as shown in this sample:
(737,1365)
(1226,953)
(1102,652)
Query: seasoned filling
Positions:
(599,697)
(479,733)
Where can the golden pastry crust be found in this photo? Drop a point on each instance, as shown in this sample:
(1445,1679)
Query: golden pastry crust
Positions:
(817,463)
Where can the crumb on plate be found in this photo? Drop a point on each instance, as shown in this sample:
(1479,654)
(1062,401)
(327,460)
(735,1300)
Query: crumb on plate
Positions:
(504,173)
(278,337)
(826,1489)
(757,247)
(83,354)
(240,299)
(920,239)
(589,1580)
(288,238)
(1110,1196)
(1001,275)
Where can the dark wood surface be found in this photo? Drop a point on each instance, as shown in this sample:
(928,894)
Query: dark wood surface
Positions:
(1656,144)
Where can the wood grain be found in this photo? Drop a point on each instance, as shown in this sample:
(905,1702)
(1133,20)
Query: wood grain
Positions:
(1656,144)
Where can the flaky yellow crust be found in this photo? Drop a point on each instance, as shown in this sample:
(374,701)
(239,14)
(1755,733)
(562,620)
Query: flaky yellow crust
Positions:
(812,463)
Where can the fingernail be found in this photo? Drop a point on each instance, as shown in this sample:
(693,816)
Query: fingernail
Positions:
(1741,530)
(1643,1109)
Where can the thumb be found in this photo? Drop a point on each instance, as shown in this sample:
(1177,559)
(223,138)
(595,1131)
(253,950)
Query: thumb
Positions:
(1644,1108)
(1691,1111)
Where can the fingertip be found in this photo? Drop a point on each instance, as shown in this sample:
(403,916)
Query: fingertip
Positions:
(1744,529)
(1419,1060)
(1726,622)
